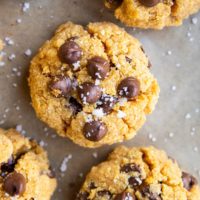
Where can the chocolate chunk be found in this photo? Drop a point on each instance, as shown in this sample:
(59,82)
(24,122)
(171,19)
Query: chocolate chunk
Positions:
(114,3)
(94,130)
(61,86)
(134,181)
(82,196)
(150,195)
(125,196)
(188,181)
(106,102)
(7,167)
(75,105)
(14,184)
(129,88)
(129,60)
(70,52)
(149,3)
(130,167)
(89,92)
(104,193)
(98,67)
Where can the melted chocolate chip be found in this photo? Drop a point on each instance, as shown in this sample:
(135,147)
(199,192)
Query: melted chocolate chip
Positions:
(106,102)
(130,167)
(98,67)
(70,52)
(89,92)
(7,167)
(94,130)
(150,195)
(129,88)
(14,184)
(134,181)
(149,3)
(82,196)
(125,196)
(75,105)
(104,193)
(188,181)
(61,86)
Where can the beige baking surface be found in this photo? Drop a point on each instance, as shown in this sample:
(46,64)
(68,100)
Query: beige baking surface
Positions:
(177,114)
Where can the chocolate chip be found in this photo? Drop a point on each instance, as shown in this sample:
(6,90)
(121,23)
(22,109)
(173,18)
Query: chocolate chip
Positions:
(14,184)
(94,130)
(89,92)
(130,167)
(75,106)
(92,185)
(129,60)
(150,195)
(149,3)
(82,196)
(134,181)
(98,67)
(104,193)
(114,3)
(125,196)
(188,181)
(70,52)
(129,88)
(61,86)
(7,167)
(106,102)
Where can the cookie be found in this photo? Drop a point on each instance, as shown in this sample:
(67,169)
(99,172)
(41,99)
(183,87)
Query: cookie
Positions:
(93,85)
(24,169)
(154,14)
(139,174)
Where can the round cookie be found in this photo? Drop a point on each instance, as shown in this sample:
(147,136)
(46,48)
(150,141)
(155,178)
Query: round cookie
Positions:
(93,85)
(139,174)
(24,169)
(154,14)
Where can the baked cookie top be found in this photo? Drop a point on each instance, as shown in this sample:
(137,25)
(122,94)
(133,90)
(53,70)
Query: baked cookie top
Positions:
(24,169)
(153,13)
(93,85)
(139,174)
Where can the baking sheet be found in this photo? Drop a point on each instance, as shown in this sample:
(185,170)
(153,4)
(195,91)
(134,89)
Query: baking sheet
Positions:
(175,54)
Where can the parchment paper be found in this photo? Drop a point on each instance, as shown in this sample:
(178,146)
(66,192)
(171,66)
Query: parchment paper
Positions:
(175,55)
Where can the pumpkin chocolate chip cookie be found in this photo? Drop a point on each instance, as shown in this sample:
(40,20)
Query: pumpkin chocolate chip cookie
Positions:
(139,174)
(24,169)
(153,13)
(93,85)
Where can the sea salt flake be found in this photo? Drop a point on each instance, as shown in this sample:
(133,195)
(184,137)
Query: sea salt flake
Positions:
(63,166)
(12,57)
(188,116)
(76,65)
(194,20)
(121,114)
(26,6)
(19,128)
(95,155)
(98,112)
(28,52)
(173,88)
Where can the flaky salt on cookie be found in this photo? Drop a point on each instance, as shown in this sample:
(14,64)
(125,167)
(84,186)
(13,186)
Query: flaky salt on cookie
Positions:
(25,172)
(139,174)
(154,14)
(93,85)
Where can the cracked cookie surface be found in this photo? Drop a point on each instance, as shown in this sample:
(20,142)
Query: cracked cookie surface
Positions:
(24,169)
(139,174)
(93,85)
(153,13)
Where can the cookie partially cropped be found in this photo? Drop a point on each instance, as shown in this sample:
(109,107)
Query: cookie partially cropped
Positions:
(93,85)
(139,174)
(24,169)
(154,14)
